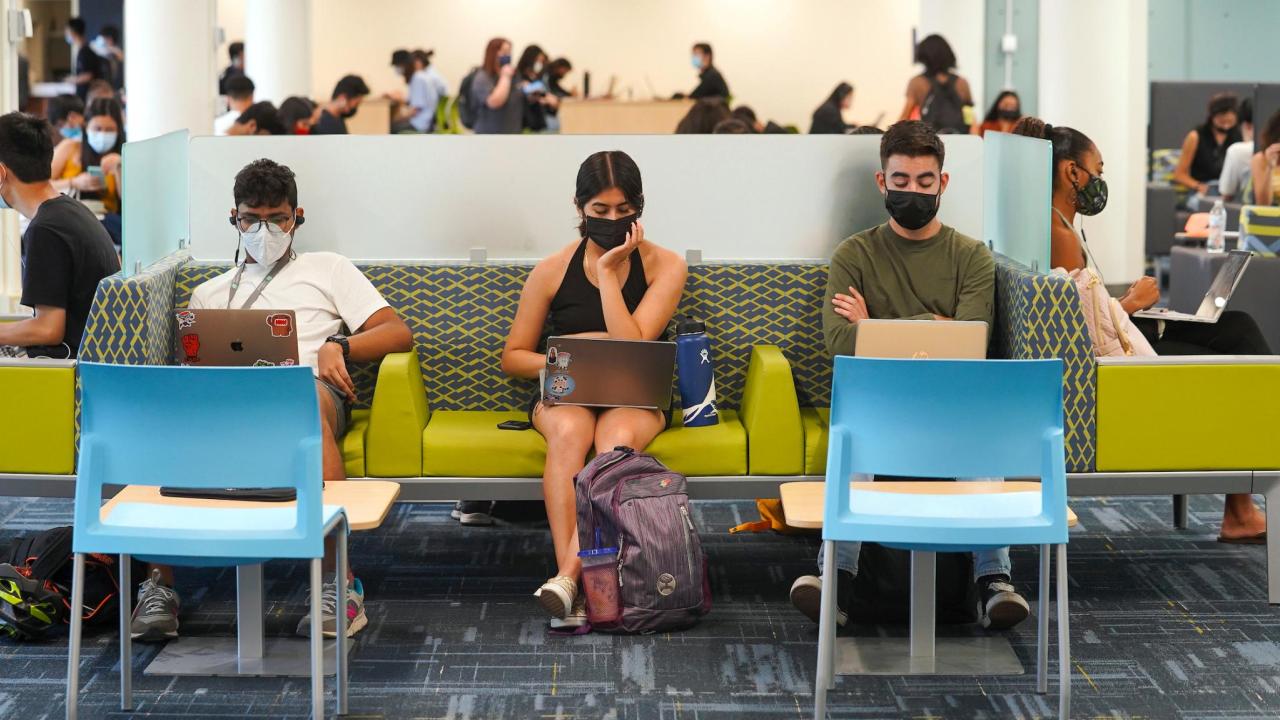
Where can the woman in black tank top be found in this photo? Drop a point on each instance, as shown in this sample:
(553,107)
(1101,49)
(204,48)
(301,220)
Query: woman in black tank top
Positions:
(1205,148)
(610,283)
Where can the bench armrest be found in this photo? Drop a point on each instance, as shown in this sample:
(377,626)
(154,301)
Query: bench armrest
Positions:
(771,415)
(1189,360)
(397,418)
(1201,414)
(39,440)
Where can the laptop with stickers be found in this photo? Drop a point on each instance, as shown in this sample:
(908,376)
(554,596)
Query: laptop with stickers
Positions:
(236,338)
(608,373)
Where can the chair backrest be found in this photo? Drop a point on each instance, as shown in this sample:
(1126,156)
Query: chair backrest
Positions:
(199,427)
(1262,224)
(946,418)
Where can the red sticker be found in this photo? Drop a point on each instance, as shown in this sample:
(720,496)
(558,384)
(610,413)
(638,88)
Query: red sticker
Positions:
(191,347)
(281,325)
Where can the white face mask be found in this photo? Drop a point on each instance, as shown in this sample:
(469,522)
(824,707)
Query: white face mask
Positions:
(268,244)
(101,141)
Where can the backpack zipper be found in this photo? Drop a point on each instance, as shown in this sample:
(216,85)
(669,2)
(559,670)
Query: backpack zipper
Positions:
(687,526)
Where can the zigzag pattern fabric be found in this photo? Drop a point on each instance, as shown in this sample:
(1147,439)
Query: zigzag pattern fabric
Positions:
(1038,316)
(131,321)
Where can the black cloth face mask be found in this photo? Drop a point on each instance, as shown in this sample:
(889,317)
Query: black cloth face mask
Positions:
(1008,114)
(1091,199)
(911,210)
(609,234)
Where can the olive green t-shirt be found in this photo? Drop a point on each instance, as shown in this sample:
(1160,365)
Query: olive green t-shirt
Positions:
(949,274)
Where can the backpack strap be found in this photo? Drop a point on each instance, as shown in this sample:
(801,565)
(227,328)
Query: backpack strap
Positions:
(48,553)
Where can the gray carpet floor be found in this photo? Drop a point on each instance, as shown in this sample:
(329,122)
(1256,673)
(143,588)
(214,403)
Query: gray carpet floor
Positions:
(1165,624)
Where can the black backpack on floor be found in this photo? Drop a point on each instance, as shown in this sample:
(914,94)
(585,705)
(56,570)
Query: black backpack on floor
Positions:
(882,587)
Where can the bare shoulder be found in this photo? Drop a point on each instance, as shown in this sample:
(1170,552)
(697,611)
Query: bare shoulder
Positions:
(550,270)
(658,259)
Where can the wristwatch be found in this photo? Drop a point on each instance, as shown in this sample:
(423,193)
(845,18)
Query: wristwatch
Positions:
(342,342)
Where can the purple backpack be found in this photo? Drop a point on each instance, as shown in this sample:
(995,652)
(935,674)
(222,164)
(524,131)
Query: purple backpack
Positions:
(640,506)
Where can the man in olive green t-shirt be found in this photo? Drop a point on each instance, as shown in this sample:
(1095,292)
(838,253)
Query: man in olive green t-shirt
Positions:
(914,268)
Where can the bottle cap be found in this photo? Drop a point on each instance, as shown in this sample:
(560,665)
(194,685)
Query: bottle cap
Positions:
(689,326)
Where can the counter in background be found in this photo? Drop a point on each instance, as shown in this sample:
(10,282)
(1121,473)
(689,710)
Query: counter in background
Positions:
(617,117)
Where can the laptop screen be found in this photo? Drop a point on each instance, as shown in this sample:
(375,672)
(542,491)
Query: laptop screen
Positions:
(1223,285)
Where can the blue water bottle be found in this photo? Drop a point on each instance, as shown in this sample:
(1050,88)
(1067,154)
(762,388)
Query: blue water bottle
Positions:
(695,376)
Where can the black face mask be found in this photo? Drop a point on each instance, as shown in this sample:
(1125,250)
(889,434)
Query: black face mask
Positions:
(911,210)
(609,234)
(350,113)
(1092,198)
(1008,114)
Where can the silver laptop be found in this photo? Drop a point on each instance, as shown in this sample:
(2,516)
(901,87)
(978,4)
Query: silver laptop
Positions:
(236,338)
(1215,301)
(922,339)
(608,373)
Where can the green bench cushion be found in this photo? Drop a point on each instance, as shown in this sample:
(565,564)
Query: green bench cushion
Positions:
(816,423)
(468,443)
(40,439)
(719,449)
(353,444)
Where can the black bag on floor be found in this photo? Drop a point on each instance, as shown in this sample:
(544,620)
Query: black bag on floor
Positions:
(882,587)
(46,558)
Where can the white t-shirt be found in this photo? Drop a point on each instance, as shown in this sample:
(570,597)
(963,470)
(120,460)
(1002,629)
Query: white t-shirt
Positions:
(325,290)
(1235,169)
(223,122)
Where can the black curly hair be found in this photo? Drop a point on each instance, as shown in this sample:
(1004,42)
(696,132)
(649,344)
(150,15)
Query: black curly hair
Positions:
(265,182)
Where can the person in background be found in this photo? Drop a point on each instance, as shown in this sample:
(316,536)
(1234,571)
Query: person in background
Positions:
(610,282)
(341,317)
(703,117)
(938,96)
(239,97)
(1235,167)
(425,88)
(65,250)
(236,52)
(100,89)
(915,268)
(259,119)
(1079,189)
(66,118)
(731,126)
(1264,169)
(498,101)
(92,166)
(87,65)
(297,115)
(711,83)
(557,71)
(1204,150)
(539,102)
(345,101)
(1003,115)
(828,119)
(748,116)
(107,46)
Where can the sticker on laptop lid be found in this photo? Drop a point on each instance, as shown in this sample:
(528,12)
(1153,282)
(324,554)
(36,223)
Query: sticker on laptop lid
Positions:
(281,324)
(186,319)
(191,348)
(559,386)
(263,363)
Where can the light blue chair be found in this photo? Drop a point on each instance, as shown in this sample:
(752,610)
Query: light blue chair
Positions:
(203,428)
(947,419)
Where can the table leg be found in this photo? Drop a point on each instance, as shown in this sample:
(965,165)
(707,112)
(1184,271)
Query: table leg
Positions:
(249,617)
(923,600)
(1269,485)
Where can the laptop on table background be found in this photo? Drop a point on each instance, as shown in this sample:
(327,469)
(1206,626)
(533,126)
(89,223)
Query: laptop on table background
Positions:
(1215,300)
(608,373)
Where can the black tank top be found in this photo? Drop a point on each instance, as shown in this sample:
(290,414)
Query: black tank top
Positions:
(1206,166)
(576,306)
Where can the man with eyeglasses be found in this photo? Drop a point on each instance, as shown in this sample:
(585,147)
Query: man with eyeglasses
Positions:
(327,293)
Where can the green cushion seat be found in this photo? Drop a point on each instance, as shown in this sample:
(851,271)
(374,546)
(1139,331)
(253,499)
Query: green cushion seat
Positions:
(468,443)
(353,444)
(712,450)
(816,422)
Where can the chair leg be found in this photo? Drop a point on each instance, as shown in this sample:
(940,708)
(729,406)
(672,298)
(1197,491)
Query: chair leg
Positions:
(126,637)
(825,676)
(1180,511)
(1064,638)
(317,644)
(1042,625)
(340,663)
(73,649)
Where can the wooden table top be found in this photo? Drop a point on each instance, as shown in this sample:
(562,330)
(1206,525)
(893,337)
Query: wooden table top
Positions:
(367,502)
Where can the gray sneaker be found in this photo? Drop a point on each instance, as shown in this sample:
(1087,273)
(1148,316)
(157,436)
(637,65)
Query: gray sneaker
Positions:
(356,619)
(155,618)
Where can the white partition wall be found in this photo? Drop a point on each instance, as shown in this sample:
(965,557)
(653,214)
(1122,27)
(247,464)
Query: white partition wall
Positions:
(440,197)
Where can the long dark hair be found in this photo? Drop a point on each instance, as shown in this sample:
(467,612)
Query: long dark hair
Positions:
(995,106)
(101,106)
(602,171)
(703,117)
(1221,103)
(934,52)
(1068,143)
(529,58)
(842,91)
(1270,133)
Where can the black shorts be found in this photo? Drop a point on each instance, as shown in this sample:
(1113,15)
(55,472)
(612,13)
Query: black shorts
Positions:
(537,398)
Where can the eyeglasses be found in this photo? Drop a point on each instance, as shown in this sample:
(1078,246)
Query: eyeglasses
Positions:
(251,224)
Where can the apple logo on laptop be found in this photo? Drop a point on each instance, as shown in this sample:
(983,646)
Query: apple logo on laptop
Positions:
(237,346)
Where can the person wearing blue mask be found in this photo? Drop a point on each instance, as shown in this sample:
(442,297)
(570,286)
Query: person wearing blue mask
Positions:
(65,250)
(88,66)
(66,118)
(91,166)
(341,318)
(711,82)
(495,92)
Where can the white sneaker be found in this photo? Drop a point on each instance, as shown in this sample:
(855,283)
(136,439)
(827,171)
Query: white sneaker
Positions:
(556,596)
(576,618)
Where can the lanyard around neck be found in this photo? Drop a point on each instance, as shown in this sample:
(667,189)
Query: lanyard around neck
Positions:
(257,292)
